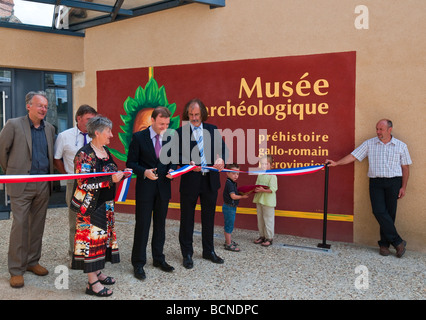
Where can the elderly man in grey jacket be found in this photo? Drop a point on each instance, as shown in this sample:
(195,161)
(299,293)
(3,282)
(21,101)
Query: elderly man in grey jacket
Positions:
(26,148)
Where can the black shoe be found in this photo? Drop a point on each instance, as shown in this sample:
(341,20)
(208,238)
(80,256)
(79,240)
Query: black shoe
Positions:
(213,257)
(187,262)
(102,293)
(163,266)
(139,273)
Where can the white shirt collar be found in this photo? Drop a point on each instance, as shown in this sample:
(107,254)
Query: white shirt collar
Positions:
(78,130)
(152,133)
(193,127)
(391,141)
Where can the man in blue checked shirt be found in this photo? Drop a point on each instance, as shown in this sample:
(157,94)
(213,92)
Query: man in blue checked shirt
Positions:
(388,160)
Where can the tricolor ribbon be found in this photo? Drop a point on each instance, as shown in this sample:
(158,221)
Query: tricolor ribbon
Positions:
(223,170)
(182,170)
(50,177)
(174,174)
(122,189)
(289,171)
(123,186)
(281,172)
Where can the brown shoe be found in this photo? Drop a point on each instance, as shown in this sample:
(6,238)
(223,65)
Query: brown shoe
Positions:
(16,281)
(400,249)
(38,270)
(384,251)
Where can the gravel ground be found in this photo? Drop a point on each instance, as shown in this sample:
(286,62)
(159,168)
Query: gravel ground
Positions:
(291,269)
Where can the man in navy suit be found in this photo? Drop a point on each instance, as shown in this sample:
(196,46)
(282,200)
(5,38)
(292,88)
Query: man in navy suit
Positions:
(153,191)
(201,144)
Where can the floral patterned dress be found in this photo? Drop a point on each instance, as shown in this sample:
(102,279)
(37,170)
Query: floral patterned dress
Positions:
(95,240)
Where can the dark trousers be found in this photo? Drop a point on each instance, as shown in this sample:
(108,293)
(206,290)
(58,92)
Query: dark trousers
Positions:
(384,198)
(145,210)
(188,201)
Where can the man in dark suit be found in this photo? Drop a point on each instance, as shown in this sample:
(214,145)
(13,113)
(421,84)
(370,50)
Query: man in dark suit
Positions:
(153,190)
(200,143)
(26,147)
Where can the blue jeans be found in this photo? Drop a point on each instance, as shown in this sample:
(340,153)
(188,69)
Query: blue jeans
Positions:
(229,213)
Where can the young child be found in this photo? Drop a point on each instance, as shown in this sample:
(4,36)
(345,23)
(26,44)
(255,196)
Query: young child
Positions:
(231,199)
(265,199)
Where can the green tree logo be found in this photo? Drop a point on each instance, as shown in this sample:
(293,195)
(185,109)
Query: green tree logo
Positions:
(138,113)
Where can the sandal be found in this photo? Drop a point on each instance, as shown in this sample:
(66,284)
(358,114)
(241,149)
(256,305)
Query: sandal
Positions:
(232,242)
(108,280)
(101,293)
(259,240)
(232,247)
(267,243)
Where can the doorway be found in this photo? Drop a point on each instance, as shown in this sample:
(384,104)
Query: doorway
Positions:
(14,85)
(5,110)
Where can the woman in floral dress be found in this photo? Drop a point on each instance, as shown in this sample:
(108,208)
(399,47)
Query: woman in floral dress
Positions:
(95,239)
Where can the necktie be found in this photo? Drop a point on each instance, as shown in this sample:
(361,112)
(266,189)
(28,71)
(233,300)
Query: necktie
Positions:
(85,138)
(157,145)
(199,138)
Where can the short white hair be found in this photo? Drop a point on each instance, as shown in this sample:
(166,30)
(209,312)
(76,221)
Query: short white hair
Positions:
(97,123)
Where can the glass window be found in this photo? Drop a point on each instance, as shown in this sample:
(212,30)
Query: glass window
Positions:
(2,111)
(59,114)
(55,79)
(57,87)
(5,76)
(28,12)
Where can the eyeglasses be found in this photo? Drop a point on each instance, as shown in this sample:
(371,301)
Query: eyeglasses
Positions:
(41,106)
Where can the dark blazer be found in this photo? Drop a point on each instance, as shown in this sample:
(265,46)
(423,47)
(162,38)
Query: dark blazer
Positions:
(16,150)
(141,156)
(213,146)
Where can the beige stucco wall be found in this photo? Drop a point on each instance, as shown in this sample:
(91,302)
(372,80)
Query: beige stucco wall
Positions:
(390,67)
(38,50)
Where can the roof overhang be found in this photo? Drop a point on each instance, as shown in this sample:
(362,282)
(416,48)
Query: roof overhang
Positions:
(73,17)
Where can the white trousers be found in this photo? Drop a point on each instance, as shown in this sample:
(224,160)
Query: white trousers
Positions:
(265,220)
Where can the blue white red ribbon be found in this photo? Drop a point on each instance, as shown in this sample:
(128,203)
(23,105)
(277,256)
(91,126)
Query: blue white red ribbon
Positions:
(289,171)
(174,174)
(122,190)
(58,177)
(280,172)
(50,177)
(182,170)
(123,186)
(223,170)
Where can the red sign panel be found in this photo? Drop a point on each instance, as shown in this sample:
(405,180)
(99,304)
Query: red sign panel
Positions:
(299,109)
